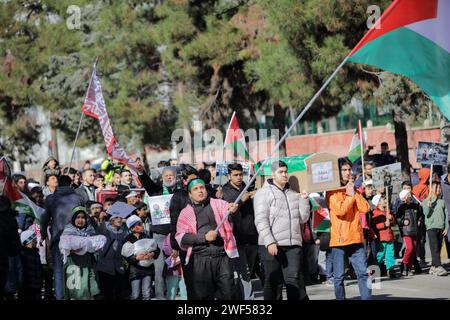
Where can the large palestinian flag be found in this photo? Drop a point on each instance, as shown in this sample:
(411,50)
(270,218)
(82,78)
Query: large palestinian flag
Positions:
(413,40)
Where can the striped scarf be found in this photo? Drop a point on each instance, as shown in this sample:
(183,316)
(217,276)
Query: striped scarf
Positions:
(187,223)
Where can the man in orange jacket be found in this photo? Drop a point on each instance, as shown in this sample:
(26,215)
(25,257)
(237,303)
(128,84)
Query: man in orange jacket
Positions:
(346,207)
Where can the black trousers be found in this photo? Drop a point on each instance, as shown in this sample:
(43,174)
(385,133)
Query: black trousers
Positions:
(285,267)
(435,237)
(114,287)
(421,240)
(210,277)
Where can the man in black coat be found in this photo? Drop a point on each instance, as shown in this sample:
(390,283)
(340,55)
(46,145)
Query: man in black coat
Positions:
(58,213)
(244,228)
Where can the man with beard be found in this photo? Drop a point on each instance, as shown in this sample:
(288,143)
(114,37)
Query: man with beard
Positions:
(209,253)
(161,231)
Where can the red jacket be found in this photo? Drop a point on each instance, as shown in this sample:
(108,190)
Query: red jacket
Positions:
(384,233)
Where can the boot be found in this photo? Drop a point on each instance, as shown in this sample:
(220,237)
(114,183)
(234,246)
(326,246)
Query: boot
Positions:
(417,267)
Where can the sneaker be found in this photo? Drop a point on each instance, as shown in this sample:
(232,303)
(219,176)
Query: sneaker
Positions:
(440,271)
(432,270)
(329,283)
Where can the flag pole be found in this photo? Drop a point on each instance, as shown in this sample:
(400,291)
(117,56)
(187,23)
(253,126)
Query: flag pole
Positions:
(361,137)
(79,125)
(288,131)
(75,142)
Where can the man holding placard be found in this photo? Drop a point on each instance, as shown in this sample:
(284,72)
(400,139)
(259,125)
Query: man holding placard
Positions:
(347,238)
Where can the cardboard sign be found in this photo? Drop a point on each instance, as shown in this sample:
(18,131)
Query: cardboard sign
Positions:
(322,172)
(432,153)
(159,209)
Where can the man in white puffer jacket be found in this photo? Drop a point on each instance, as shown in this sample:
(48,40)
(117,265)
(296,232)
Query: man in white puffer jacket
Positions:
(279,215)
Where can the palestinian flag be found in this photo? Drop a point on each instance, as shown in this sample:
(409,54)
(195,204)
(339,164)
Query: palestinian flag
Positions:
(235,140)
(412,40)
(356,147)
(321,215)
(20,202)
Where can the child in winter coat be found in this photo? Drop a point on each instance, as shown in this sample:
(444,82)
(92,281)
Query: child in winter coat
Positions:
(409,217)
(32,276)
(382,221)
(436,221)
(141,262)
(111,268)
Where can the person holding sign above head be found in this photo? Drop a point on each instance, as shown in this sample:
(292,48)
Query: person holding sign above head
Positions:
(346,206)
(279,215)
(208,251)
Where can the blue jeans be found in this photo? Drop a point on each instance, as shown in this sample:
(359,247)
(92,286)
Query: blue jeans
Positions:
(141,286)
(329,264)
(58,271)
(357,257)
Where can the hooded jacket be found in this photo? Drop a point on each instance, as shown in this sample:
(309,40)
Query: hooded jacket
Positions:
(345,216)
(46,170)
(421,190)
(58,211)
(279,215)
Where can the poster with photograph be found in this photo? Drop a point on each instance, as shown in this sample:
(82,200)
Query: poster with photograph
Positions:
(159,209)
(432,153)
(222,172)
(387,176)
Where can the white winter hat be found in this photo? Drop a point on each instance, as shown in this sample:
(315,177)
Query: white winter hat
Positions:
(404,194)
(27,236)
(132,194)
(368,183)
(376,200)
(132,220)
(314,195)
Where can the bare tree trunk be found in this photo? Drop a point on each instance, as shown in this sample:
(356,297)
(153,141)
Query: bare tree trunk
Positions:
(279,122)
(401,142)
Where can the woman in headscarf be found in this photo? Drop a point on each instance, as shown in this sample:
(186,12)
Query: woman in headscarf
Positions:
(78,244)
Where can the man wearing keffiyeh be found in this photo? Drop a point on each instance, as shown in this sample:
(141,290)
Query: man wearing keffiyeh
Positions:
(208,251)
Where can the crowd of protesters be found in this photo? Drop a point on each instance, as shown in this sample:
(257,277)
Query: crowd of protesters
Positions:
(79,249)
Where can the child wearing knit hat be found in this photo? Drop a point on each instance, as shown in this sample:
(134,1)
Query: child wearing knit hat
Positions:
(32,271)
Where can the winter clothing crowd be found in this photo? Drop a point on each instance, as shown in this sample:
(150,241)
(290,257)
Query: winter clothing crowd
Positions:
(211,247)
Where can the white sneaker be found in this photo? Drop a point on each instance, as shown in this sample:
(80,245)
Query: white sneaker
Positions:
(440,271)
(432,270)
